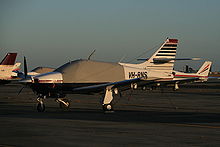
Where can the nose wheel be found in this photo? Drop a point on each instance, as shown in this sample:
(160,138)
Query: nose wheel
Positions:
(108,108)
(40,105)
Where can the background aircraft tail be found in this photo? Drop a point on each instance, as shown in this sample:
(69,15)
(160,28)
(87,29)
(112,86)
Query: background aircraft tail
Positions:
(205,69)
(9,59)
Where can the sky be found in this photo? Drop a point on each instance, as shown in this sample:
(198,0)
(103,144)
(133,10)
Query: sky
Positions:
(53,32)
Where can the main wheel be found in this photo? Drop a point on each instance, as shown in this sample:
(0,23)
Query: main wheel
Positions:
(107,107)
(66,105)
(40,107)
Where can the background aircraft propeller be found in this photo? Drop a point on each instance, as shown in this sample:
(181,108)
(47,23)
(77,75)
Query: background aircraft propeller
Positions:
(25,68)
(25,76)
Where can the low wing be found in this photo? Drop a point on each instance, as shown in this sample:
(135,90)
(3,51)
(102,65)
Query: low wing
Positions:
(102,86)
(185,80)
(169,82)
(124,83)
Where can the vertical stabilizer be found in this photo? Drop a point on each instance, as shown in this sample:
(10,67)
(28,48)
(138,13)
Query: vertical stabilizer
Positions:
(162,58)
(9,59)
(205,68)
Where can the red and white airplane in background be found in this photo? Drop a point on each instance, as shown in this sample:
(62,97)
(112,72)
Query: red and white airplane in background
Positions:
(8,68)
(201,76)
(202,73)
(184,77)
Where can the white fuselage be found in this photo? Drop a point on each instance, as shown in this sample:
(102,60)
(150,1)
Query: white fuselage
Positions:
(101,76)
(6,72)
(132,72)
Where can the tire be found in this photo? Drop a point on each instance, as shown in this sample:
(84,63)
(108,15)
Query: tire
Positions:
(40,107)
(107,107)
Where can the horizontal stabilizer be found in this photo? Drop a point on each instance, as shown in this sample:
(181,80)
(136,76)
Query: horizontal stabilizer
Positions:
(169,59)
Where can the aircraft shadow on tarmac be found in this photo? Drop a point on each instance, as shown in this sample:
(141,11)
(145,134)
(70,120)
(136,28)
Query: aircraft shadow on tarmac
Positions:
(155,116)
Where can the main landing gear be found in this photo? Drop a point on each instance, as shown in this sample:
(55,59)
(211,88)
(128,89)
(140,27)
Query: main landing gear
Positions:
(40,105)
(107,100)
(176,86)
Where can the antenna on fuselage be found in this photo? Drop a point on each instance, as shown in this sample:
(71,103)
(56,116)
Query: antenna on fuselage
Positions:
(91,54)
(122,58)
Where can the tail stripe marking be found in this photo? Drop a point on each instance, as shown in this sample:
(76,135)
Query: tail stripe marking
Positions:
(167,52)
(206,68)
(170,45)
(168,48)
(164,55)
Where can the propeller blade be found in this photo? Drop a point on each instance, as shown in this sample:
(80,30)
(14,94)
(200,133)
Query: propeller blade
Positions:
(21,90)
(25,68)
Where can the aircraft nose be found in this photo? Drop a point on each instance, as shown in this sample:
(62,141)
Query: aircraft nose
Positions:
(51,77)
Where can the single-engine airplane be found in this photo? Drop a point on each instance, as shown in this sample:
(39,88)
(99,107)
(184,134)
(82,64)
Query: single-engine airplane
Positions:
(88,77)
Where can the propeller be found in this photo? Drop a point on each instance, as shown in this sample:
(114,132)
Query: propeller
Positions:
(24,80)
(21,90)
(25,68)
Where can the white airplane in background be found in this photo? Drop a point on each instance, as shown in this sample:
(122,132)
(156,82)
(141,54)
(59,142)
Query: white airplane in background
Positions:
(200,76)
(88,77)
(40,70)
(7,68)
(36,71)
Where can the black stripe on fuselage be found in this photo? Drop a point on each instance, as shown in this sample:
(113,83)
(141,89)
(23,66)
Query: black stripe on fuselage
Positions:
(168,49)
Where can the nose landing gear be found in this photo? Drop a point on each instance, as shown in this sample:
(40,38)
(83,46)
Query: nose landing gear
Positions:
(63,103)
(40,105)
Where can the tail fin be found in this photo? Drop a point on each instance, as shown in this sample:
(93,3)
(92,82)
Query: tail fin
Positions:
(162,58)
(205,68)
(9,59)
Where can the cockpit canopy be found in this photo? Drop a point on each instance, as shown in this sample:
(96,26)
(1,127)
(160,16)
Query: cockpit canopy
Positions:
(87,71)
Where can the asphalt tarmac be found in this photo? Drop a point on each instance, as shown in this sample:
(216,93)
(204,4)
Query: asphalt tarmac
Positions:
(187,117)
